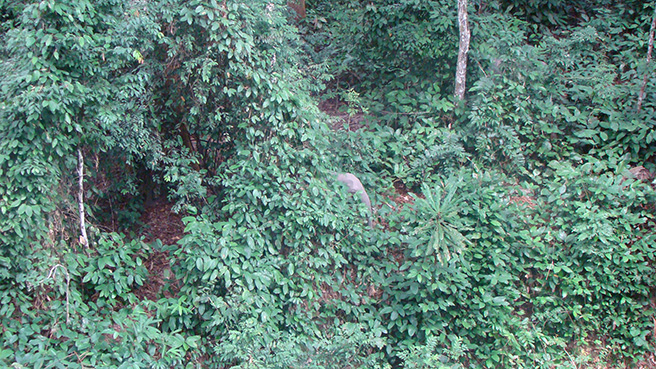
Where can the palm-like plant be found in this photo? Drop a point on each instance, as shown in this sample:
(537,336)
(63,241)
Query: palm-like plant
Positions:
(440,208)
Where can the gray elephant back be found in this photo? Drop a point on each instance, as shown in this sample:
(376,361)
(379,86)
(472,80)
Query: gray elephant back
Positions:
(355,186)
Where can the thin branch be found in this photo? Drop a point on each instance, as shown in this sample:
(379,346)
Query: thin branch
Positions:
(68,289)
(641,96)
(80,198)
(406,113)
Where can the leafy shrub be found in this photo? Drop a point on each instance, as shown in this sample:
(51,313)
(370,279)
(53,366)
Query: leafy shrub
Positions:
(280,240)
(558,94)
(410,156)
(84,313)
(594,261)
(397,56)
(126,338)
(116,269)
(468,291)
(252,347)
(428,356)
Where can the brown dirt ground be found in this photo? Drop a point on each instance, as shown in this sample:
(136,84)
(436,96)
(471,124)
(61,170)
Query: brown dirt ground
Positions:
(163,224)
(337,108)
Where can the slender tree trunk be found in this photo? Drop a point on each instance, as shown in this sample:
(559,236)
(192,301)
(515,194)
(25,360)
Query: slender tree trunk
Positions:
(80,198)
(650,48)
(186,140)
(463,49)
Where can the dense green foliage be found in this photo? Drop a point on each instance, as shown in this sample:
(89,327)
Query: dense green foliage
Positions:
(509,230)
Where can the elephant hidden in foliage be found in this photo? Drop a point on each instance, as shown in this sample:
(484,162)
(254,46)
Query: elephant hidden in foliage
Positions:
(355,186)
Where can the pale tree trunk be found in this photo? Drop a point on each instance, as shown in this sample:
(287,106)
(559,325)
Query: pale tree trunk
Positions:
(80,198)
(463,49)
(650,47)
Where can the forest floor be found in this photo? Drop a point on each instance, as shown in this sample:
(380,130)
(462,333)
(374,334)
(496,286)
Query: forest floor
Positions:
(339,110)
(160,222)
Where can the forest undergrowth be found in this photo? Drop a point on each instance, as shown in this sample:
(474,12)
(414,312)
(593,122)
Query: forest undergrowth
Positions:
(168,191)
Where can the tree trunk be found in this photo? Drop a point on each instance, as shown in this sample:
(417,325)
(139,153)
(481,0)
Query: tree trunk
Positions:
(650,48)
(80,198)
(186,140)
(463,49)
